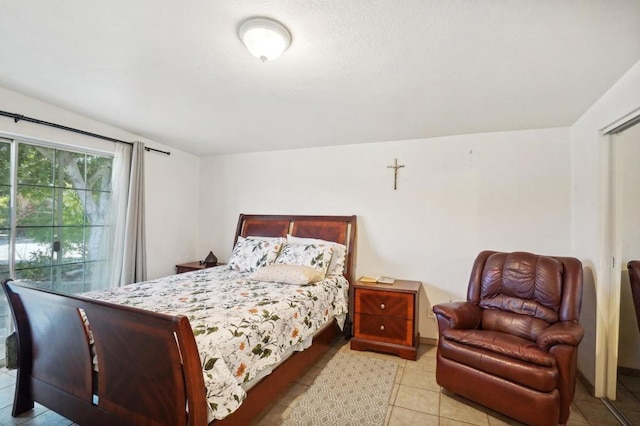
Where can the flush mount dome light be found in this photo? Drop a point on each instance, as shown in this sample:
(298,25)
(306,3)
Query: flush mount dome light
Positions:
(265,38)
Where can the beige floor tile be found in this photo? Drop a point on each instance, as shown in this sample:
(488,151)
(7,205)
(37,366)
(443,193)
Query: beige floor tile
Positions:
(497,419)
(48,418)
(387,357)
(576,416)
(394,394)
(276,415)
(594,412)
(404,417)
(503,421)
(450,422)
(294,394)
(420,379)
(456,408)
(422,400)
(7,419)
(388,416)
(425,364)
(311,375)
(399,373)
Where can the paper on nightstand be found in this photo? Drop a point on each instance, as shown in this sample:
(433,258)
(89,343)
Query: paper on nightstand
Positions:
(381,279)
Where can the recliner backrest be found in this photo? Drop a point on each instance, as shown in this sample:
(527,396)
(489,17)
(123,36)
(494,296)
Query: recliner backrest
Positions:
(520,293)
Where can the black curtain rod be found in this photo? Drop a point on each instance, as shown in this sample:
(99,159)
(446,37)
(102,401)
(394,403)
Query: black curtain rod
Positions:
(20,117)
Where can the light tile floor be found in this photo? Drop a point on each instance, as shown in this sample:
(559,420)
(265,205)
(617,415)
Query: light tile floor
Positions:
(416,399)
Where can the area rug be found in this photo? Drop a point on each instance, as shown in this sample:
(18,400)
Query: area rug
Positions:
(350,390)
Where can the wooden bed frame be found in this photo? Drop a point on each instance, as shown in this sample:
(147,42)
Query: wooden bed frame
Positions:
(150,369)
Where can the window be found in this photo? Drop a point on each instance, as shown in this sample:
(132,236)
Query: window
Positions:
(61,201)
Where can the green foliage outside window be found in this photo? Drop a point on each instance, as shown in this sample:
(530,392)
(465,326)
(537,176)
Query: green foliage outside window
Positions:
(62,202)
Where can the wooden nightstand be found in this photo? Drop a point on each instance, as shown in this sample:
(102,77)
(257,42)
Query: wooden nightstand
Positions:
(193,266)
(385,317)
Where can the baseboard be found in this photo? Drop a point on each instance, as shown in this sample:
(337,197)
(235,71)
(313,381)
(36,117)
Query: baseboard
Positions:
(429,341)
(583,379)
(627,371)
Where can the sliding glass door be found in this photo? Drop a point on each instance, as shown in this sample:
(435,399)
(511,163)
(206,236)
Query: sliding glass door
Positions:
(58,234)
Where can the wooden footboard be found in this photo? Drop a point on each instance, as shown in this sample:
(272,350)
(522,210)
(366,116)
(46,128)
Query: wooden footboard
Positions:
(149,367)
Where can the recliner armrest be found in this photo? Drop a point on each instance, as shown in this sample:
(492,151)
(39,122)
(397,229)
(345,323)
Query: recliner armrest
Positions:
(561,333)
(460,315)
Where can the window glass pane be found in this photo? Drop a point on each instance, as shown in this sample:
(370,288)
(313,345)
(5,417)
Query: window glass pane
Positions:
(35,165)
(5,211)
(69,207)
(99,208)
(37,277)
(4,256)
(99,173)
(34,206)
(5,163)
(69,278)
(71,247)
(70,170)
(93,243)
(95,274)
(33,247)
(5,233)
(62,204)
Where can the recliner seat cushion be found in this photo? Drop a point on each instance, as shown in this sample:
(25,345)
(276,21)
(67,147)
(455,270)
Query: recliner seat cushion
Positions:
(502,343)
(499,354)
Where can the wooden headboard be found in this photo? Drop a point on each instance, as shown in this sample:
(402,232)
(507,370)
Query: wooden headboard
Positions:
(340,229)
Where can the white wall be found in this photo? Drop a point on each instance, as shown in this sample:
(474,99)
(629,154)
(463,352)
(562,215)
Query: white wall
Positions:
(456,196)
(589,157)
(171,182)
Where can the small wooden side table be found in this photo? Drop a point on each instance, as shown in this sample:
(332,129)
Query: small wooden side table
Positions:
(193,266)
(385,318)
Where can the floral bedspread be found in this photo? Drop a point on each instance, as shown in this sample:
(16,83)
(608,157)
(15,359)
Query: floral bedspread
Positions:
(240,326)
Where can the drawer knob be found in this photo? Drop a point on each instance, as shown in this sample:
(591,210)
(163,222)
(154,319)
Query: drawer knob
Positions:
(382,328)
(382,306)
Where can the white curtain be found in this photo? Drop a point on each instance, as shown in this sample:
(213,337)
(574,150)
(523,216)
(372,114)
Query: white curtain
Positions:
(127,249)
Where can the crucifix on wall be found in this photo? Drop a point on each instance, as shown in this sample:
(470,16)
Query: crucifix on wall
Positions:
(395,168)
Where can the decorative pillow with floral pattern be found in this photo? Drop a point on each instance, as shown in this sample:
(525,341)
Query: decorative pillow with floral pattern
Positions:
(287,274)
(249,254)
(336,267)
(318,256)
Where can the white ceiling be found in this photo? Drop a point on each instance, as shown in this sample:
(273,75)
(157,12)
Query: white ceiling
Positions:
(356,71)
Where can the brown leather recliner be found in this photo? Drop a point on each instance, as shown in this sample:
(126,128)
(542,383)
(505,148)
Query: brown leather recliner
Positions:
(512,346)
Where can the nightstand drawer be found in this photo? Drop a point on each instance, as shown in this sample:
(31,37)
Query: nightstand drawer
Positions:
(387,303)
(384,329)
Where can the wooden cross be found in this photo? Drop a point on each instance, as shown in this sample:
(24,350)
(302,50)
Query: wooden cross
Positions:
(395,168)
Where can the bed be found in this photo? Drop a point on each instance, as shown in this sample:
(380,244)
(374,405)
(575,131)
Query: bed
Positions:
(128,365)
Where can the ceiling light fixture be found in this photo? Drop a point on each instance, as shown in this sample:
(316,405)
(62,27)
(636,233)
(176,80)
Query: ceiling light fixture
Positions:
(265,38)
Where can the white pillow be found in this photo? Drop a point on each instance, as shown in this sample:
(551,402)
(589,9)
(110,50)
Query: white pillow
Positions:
(250,254)
(317,256)
(287,274)
(336,267)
